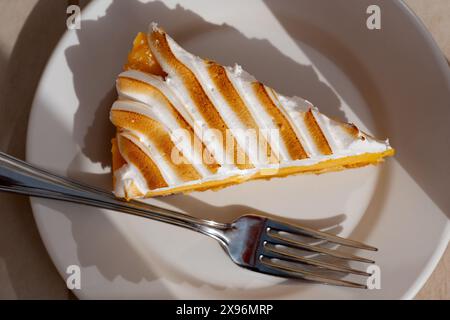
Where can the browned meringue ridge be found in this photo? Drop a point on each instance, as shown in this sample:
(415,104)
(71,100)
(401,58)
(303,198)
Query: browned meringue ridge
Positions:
(165,90)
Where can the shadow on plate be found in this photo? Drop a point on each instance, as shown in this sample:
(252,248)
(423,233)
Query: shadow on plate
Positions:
(95,63)
(414,113)
(203,210)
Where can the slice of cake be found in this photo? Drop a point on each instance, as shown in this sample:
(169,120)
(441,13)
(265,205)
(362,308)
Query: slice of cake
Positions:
(185,123)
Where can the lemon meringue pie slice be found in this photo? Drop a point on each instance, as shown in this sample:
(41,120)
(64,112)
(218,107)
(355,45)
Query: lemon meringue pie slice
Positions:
(188,124)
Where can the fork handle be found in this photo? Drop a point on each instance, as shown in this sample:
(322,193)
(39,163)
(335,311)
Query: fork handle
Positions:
(20,177)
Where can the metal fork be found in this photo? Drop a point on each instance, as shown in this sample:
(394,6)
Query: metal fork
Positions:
(252,241)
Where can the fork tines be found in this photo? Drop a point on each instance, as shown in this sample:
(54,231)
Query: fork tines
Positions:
(280,255)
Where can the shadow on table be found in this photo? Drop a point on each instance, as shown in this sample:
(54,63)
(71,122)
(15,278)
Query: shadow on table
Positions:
(28,270)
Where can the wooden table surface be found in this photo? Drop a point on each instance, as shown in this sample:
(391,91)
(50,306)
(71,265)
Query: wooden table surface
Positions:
(26,270)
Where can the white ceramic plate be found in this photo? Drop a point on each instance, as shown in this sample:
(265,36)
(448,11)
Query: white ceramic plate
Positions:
(393,82)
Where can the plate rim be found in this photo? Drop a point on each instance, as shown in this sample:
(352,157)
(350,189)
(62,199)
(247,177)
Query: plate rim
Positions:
(445,239)
(439,57)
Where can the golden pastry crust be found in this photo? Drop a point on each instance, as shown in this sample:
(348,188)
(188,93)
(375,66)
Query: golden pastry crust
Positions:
(322,167)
